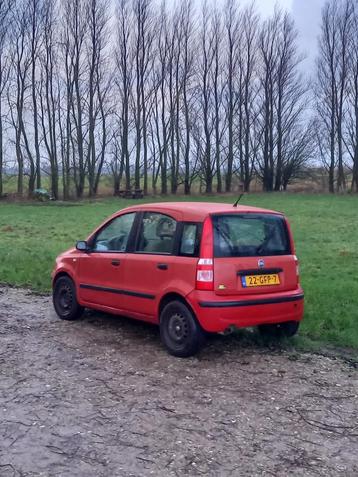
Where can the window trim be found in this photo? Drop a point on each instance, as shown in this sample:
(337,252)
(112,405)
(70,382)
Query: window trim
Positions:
(130,236)
(135,242)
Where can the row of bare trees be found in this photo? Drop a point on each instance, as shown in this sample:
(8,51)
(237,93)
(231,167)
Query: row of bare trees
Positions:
(160,97)
(56,77)
(336,92)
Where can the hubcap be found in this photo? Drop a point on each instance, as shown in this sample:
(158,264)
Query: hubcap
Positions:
(178,328)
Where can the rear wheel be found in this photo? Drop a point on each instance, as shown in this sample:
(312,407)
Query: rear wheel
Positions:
(279,330)
(65,300)
(180,332)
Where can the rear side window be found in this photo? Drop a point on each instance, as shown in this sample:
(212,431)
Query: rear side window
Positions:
(189,243)
(250,235)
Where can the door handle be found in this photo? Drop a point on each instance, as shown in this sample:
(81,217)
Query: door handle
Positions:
(162,266)
(116,263)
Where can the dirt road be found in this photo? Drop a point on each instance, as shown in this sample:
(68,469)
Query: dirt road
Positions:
(100,397)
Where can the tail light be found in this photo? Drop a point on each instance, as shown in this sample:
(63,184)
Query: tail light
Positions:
(205,267)
(297,269)
(205,274)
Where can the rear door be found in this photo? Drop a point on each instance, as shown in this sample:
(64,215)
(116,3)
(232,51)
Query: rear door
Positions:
(252,254)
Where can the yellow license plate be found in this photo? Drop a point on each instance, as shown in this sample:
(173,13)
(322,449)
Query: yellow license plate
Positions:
(260,280)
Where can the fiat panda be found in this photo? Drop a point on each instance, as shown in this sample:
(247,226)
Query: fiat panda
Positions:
(192,268)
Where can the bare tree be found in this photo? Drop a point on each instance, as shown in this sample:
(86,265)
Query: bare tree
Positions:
(331,87)
(249,91)
(36,14)
(344,29)
(218,94)
(124,80)
(49,93)
(76,29)
(17,94)
(232,28)
(187,62)
(269,57)
(143,40)
(160,86)
(205,93)
(284,99)
(5,7)
(352,126)
(98,90)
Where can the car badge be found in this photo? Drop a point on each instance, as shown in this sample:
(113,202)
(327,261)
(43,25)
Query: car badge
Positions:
(222,287)
(261,263)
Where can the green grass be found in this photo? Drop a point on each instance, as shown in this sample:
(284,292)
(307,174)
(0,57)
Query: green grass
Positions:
(325,229)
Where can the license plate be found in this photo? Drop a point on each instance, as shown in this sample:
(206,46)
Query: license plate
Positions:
(260,280)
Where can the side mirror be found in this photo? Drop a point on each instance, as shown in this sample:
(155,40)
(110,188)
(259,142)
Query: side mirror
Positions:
(82,246)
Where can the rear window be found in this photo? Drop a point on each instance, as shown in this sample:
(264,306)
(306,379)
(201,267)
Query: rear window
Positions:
(250,235)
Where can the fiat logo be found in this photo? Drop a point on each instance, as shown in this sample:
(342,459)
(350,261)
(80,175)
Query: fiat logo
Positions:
(261,263)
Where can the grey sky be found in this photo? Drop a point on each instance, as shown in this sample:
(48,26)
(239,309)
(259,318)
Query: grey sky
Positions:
(307,16)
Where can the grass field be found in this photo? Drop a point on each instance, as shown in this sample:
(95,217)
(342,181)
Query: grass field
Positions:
(325,229)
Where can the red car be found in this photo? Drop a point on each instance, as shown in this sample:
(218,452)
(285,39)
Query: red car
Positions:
(190,267)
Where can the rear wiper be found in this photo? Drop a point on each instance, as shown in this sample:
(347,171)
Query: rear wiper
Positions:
(268,237)
(225,236)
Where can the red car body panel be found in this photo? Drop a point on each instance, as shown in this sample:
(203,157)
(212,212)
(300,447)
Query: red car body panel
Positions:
(136,286)
(217,315)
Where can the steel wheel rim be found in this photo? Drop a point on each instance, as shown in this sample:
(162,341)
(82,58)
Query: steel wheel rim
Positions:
(65,299)
(178,328)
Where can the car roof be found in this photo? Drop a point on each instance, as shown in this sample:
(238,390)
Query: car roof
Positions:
(196,211)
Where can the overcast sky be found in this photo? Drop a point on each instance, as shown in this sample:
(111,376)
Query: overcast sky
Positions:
(307,16)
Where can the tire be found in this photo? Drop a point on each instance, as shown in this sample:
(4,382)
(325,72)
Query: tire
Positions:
(65,300)
(280,330)
(180,332)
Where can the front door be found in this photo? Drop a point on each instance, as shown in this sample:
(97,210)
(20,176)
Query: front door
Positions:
(101,271)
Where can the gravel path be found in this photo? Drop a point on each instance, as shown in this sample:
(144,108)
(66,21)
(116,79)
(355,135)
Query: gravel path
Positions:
(100,397)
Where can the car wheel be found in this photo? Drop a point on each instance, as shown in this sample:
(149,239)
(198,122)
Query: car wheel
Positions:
(278,330)
(180,332)
(65,301)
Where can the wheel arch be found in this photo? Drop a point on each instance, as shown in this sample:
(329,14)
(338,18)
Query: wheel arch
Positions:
(173,296)
(61,274)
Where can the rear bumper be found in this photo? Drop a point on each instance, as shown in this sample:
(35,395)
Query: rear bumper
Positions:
(216,314)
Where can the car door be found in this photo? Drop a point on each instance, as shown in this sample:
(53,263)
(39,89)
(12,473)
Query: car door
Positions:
(101,271)
(151,266)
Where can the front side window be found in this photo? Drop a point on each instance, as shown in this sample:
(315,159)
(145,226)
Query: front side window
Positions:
(114,236)
(250,235)
(156,234)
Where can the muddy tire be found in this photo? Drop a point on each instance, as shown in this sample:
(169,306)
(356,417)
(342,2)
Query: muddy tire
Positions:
(280,330)
(180,332)
(65,300)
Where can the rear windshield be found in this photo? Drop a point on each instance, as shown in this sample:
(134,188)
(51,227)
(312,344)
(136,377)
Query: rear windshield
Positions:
(250,235)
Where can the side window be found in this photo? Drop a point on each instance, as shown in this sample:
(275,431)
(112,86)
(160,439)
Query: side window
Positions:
(156,234)
(188,244)
(114,236)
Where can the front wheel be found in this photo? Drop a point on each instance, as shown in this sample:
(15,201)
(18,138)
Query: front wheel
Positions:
(180,332)
(65,300)
(278,330)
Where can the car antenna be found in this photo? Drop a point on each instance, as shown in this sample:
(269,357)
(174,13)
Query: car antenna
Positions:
(238,200)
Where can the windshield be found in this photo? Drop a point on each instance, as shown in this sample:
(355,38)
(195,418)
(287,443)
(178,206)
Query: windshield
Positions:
(250,235)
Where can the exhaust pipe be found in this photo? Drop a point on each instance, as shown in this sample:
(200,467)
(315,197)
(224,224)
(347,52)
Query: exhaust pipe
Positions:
(229,331)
